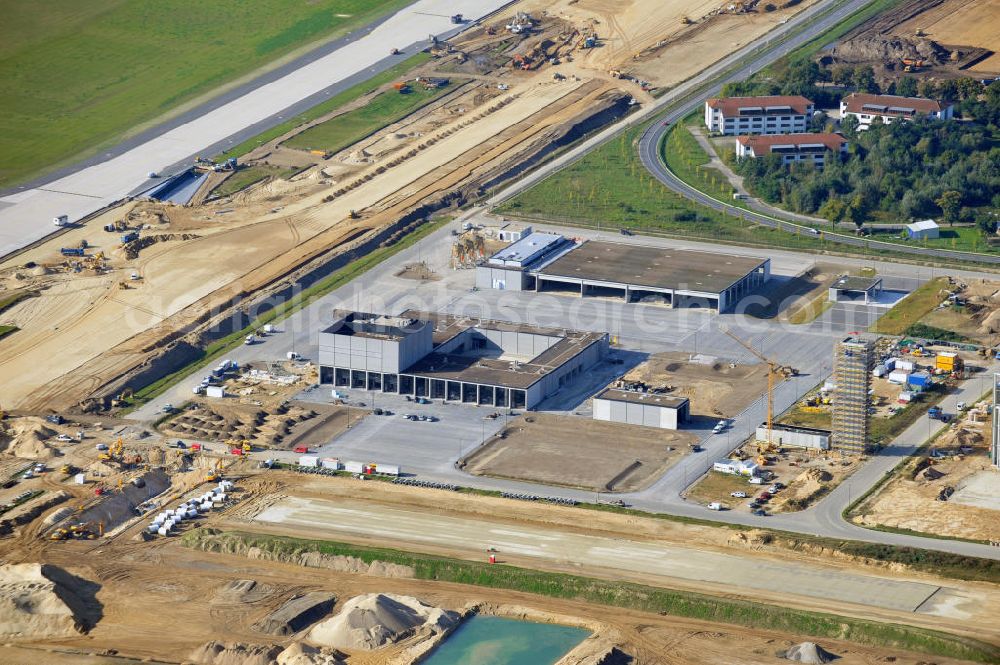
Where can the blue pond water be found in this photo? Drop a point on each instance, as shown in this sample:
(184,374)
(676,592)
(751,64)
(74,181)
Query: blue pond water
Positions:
(486,640)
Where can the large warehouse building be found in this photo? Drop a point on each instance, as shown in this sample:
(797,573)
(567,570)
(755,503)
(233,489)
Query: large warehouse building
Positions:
(676,277)
(460,359)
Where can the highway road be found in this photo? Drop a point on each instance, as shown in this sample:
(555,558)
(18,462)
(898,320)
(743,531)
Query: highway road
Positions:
(26,215)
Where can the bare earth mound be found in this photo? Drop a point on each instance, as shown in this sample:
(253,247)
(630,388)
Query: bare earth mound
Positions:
(373,620)
(303,654)
(27,439)
(809,652)
(41,602)
(235,653)
(297,614)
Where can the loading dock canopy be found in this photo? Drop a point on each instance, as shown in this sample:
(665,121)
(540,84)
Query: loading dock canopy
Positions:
(655,268)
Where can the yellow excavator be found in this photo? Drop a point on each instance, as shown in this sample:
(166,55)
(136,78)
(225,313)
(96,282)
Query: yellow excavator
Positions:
(215,473)
(774,369)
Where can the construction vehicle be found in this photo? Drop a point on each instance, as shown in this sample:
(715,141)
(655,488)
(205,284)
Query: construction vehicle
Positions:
(774,369)
(457,19)
(72,251)
(66,469)
(80,531)
(912,64)
(394,51)
(402,87)
(216,472)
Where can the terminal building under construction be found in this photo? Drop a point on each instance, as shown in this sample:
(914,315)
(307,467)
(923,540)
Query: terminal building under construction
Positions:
(675,277)
(459,359)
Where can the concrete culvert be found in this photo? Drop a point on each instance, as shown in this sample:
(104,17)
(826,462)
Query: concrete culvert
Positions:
(809,652)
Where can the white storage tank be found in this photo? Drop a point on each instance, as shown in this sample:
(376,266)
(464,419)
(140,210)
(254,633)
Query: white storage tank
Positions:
(192,513)
(205,507)
(154,527)
(163,531)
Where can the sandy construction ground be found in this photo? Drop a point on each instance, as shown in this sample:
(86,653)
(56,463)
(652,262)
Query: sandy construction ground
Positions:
(911,500)
(715,389)
(960,23)
(85,331)
(147,590)
(574,451)
(614,546)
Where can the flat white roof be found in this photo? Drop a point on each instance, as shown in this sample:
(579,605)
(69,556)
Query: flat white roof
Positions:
(923,225)
(526,248)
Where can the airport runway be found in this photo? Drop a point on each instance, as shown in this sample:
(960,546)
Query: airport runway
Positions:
(733,572)
(26,216)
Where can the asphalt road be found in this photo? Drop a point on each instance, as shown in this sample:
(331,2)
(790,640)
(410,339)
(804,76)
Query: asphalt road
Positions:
(26,215)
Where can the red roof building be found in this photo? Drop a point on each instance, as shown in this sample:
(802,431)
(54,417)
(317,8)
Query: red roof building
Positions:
(869,109)
(778,114)
(814,148)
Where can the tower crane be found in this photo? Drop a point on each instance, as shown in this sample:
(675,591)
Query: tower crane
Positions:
(774,369)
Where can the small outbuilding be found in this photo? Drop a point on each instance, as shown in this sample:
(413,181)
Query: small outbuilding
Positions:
(927,228)
(848,288)
(641,408)
(736,467)
(795,437)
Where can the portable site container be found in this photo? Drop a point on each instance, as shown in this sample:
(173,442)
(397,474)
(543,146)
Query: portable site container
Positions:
(905,397)
(386,469)
(899,376)
(920,379)
(354,467)
(309,460)
(214,391)
(890,363)
(330,463)
(880,371)
(906,365)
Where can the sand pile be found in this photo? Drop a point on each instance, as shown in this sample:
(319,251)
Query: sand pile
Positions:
(235,653)
(297,614)
(991,323)
(373,620)
(40,602)
(26,438)
(303,654)
(809,652)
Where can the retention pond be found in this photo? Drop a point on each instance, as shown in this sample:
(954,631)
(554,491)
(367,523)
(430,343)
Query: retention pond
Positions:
(487,640)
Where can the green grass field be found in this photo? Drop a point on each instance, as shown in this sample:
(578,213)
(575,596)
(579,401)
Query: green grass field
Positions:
(386,108)
(620,594)
(6,330)
(912,308)
(78,75)
(609,188)
(250,175)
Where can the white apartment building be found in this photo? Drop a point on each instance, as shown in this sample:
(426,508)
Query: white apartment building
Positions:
(815,148)
(871,109)
(734,116)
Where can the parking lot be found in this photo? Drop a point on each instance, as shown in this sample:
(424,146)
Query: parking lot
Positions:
(415,446)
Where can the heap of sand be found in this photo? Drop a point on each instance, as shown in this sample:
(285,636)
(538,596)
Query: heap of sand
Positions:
(302,654)
(42,602)
(809,652)
(235,653)
(26,438)
(373,620)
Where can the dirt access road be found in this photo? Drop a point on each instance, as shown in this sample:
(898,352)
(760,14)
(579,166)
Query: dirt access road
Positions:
(535,546)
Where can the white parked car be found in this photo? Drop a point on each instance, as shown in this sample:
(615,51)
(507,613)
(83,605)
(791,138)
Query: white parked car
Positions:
(738,495)
(64,438)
